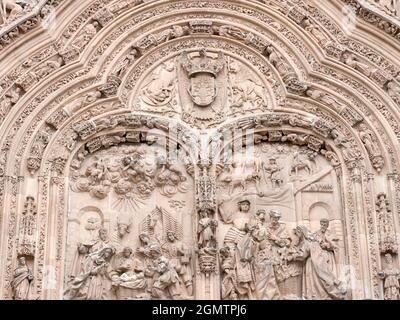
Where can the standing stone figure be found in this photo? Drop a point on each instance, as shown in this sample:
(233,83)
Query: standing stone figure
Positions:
(329,245)
(367,137)
(229,279)
(80,257)
(390,276)
(94,281)
(21,282)
(121,68)
(274,172)
(167,283)
(149,251)
(246,252)
(179,257)
(319,282)
(268,259)
(206,229)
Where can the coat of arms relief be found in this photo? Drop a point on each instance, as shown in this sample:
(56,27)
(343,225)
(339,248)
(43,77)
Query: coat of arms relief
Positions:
(203,88)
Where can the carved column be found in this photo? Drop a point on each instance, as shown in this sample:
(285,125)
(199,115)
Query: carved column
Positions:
(207,273)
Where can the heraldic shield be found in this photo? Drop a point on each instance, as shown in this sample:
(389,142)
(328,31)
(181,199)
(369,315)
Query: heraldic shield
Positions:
(203,86)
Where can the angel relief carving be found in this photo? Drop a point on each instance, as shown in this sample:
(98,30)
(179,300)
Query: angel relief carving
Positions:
(129,241)
(132,173)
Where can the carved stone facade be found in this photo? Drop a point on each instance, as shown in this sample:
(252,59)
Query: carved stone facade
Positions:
(169,149)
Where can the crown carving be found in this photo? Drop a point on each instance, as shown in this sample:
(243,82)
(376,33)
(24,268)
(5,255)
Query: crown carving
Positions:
(204,65)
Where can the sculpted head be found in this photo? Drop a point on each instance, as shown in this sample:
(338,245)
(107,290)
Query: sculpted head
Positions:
(134,51)
(144,238)
(178,31)
(269,49)
(363,127)
(107,253)
(22,261)
(155,251)
(206,212)
(162,265)
(171,236)
(123,229)
(381,196)
(261,214)
(258,233)
(127,252)
(301,232)
(324,224)
(82,249)
(388,258)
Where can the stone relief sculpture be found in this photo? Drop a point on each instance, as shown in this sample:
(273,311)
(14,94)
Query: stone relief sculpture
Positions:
(94,280)
(320,282)
(203,90)
(163,36)
(315,30)
(387,236)
(27,231)
(22,280)
(273,171)
(9,10)
(129,280)
(87,34)
(161,88)
(206,229)
(244,89)
(390,276)
(260,258)
(352,61)
(297,147)
(123,65)
(180,258)
(369,140)
(177,87)
(277,60)
(133,174)
(11,98)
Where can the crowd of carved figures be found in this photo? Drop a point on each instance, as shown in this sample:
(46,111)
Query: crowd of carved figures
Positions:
(154,270)
(260,260)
